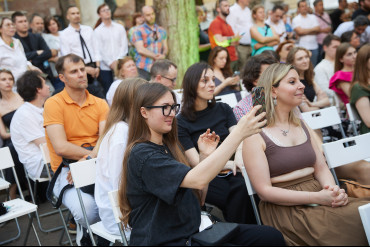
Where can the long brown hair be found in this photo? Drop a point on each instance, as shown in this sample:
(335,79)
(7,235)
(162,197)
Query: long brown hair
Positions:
(226,71)
(146,95)
(308,74)
(98,12)
(361,73)
(9,73)
(341,51)
(121,104)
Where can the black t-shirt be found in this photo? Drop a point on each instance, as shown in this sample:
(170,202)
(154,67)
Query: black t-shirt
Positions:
(218,118)
(335,18)
(309,91)
(358,12)
(162,212)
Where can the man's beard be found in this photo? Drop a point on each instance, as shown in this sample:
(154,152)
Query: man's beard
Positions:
(225,13)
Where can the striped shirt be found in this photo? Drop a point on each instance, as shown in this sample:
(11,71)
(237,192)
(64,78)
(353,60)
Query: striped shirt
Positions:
(153,41)
(243,107)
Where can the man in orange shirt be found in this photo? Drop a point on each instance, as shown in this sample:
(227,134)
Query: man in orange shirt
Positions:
(221,34)
(73,120)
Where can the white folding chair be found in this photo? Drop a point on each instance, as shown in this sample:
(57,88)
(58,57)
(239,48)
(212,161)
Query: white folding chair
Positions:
(229,99)
(353,117)
(323,118)
(346,151)
(251,194)
(365,218)
(18,207)
(47,160)
(99,229)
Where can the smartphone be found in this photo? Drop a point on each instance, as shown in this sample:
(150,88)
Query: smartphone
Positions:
(236,73)
(258,98)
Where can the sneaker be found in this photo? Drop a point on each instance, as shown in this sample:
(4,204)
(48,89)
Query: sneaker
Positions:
(72,226)
(82,237)
(79,234)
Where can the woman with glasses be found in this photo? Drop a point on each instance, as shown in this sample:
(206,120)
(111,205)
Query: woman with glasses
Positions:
(263,36)
(200,112)
(158,191)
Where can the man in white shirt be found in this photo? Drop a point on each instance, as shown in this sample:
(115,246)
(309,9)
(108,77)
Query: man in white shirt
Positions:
(360,25)
(80,40)
(306,27)
(325,69)
(240,19)
(276,21)
(27,124)
(112,44)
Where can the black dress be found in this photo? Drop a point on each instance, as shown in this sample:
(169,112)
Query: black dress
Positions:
(7,118)
(309,90)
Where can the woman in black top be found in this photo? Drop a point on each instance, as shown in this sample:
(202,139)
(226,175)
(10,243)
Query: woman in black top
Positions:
(299,57)
(199,113)
(157,193)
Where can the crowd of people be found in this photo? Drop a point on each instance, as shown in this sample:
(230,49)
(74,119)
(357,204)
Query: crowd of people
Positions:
(170,153)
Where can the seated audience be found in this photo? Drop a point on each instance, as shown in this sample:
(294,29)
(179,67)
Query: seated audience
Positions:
(351,37)
(299,57)
(361,27)
(283,50)
(227,191)
(73,120)
(27,123)
(345,59)
(263,36)
(360,91)
(9,103)
(166,211)
(126,68)
(219,60)
(111,148)
(37,24)
(298,193)
(164,72)
(12,53)
(251,73)
(325,69)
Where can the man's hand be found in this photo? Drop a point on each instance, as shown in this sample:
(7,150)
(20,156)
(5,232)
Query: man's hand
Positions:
(39,52)
(69,178)
(54,52)
(113,66)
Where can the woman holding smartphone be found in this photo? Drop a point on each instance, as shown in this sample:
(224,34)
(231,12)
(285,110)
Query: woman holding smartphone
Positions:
(158,188)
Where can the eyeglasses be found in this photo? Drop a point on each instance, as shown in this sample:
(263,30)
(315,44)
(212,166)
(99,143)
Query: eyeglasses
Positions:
(173,80)
(167,109)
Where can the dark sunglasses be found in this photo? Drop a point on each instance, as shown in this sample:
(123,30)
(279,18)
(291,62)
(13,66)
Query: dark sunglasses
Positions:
(167,109)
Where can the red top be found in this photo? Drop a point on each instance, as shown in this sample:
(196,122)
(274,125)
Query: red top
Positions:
(219,26)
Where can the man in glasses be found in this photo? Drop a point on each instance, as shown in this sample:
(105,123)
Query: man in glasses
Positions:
(150,41)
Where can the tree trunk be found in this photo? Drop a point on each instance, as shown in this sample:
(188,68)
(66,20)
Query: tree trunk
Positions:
(139,4)
(178,17)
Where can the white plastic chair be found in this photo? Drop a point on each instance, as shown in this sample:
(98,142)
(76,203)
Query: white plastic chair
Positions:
(365,217)
(229,99)
(346,151)
(353,117)
(323,118)
(18,207)
(251,193)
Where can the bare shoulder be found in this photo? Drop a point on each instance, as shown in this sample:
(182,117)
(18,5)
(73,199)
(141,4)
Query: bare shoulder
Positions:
(256,141)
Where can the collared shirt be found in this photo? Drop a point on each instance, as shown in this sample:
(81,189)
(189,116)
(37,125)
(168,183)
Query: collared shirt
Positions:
(349,26)
(13,59)
(70,43)
(323,24)
(147,35)
(112,43)
(309,21)
(241,22)
(279,29)
(81,123)
(243,107)
(323,72)
(219,26)
(26,127)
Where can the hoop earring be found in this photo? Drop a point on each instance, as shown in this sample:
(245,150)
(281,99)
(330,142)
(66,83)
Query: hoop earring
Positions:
(275,101)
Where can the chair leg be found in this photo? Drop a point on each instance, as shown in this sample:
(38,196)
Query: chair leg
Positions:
(30,224)
(123,235)
(16,237)
(85,216)
(255,209)
(65,228)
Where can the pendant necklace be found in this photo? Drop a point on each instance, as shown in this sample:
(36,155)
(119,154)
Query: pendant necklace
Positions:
(285,132)
(12,45)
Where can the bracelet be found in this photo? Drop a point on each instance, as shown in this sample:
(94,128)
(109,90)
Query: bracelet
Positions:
(87,157)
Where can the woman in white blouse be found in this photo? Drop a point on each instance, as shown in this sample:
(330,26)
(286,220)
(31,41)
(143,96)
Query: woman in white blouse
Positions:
(12,56)
(111,149)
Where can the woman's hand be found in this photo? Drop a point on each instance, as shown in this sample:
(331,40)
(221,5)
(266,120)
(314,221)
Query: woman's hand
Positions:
(232,81)
(249,124)
(207,143)
(341,197)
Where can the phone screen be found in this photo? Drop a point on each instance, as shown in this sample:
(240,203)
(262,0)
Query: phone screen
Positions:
(258,98)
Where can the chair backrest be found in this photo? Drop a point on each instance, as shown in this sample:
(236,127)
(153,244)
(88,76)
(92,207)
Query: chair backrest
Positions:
(83,173)
(45,153)
(347,150)
(113,198)
(352,114)
(365,217)
(229,99)
(6,160)
(322,118)
(250,189)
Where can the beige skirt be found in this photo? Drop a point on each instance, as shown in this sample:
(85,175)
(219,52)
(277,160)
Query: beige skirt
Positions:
(320,225)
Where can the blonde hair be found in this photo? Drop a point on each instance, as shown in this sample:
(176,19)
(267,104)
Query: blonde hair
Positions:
(270,78)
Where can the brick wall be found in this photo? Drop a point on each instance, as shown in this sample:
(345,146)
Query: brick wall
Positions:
(43,7)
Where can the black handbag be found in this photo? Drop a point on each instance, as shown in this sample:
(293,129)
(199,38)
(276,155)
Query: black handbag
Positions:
(3,209)
(216,234)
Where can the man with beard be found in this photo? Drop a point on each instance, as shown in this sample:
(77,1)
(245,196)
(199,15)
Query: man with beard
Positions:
(221,34)
(150,42)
